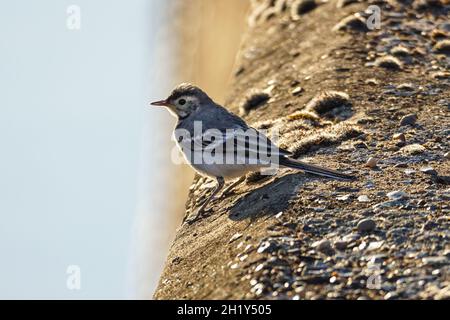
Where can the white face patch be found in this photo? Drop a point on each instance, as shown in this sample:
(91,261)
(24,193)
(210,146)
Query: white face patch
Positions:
(182,113)
(189,105)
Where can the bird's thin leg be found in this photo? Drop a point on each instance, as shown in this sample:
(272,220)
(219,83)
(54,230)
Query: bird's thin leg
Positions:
(220,184)
(228,189)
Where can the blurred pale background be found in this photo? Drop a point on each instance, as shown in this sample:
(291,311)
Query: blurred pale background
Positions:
(85,171)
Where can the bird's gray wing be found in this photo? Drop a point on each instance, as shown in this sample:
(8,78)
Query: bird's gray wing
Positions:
(236,146)
(226,133)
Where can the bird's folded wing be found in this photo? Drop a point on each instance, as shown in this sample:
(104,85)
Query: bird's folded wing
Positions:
(241,146)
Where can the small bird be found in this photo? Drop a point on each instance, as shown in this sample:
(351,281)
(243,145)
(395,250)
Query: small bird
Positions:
(207,131)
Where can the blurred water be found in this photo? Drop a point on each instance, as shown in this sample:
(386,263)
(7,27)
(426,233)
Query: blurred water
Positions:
(72,112)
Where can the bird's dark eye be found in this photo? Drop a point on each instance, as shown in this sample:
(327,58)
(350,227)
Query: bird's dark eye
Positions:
(182,101)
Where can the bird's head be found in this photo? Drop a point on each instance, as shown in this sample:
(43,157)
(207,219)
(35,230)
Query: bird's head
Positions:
(184,99)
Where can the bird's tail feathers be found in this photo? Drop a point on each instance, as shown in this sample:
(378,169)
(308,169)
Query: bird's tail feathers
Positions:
(313,169)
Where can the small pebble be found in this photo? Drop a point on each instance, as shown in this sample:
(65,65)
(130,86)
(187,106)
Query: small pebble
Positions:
(294,53)
(340,244)
(390,296)
(428,170)
(372,162)
(397,195)
(409,119)
(259,267)
(434,261)
(344,197)
(399,136)
(235,237)
(413,149)
(366,225)
(242,258)
(322,245)
(351,237)
(363,198)
(266,246)
(409,172)
(297,91)
(442,46)
(375,245)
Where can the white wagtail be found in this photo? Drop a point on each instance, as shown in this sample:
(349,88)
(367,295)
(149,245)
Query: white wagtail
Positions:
(220,145)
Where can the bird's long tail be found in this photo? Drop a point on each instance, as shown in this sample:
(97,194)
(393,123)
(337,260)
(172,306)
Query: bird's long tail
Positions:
(310,168)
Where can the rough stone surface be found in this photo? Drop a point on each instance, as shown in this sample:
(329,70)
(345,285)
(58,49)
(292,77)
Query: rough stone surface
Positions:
(406,255)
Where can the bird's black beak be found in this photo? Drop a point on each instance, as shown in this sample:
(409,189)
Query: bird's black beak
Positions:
(160,103)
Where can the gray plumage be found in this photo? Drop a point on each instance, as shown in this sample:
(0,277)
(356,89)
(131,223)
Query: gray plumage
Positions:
(192,105)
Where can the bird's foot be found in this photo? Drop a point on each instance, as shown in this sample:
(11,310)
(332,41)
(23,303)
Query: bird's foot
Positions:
(225,194)
(191,220)
(231,188)
(197,216)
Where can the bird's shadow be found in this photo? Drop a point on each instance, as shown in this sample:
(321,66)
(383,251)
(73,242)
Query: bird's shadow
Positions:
(268,199)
